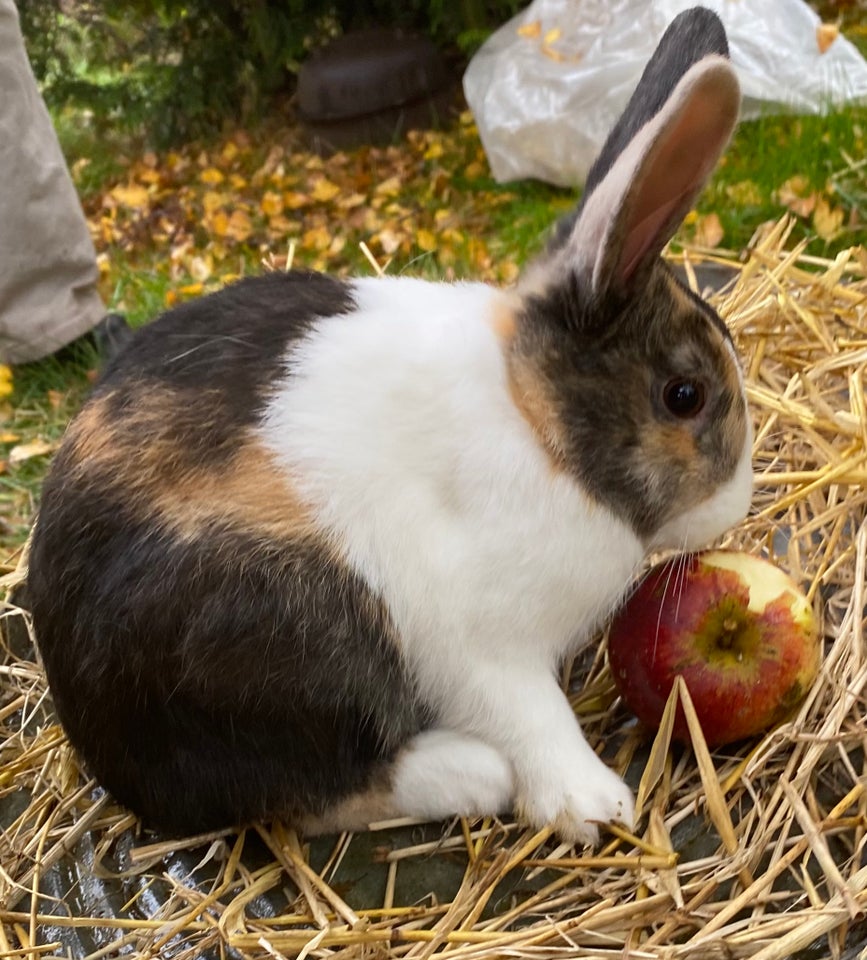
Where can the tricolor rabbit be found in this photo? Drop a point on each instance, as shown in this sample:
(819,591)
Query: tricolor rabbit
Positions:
(316,548)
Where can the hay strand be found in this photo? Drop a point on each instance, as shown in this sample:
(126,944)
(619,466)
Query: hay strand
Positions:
(756,851)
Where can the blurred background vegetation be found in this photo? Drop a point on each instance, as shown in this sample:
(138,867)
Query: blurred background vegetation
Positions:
(177,120)
(182,68)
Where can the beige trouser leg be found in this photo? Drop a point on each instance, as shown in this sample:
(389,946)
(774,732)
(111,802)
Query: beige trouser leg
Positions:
(48,270)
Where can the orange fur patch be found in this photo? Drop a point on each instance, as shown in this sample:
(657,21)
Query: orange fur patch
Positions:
(358,811)
(251,494)
(526,389)
(90,434)
(677,443)
(139,455)
(503,321)
(530,397)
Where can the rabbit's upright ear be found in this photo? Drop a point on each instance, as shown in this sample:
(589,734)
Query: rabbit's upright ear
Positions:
(656,159)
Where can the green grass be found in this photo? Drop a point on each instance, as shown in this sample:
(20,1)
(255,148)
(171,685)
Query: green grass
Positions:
(96,158)
(767,153)
(46,396)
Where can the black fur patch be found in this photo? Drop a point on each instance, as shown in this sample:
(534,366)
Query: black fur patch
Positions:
(222,677)
(224,352)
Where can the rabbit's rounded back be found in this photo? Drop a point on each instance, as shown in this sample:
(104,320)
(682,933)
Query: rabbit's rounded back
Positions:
(315,548)
(210,657)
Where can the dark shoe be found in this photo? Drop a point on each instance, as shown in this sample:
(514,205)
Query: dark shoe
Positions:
(111,335)
(99,345)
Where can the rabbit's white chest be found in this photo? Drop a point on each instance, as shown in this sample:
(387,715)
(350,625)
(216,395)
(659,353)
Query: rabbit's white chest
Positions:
(396,423)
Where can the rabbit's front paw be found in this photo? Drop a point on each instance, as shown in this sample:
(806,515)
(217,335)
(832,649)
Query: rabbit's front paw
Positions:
(572,800)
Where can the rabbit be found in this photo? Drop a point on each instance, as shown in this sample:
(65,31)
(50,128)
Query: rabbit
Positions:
(315,548)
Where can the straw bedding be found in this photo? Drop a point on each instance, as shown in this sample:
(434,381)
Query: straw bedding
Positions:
(754,851)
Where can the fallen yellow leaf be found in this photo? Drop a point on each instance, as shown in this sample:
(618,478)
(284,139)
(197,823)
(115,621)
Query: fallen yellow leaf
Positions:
(509,271)
(426,240)
(796,196)
(271,204)
(552,36)
(530,30)
(826,34)
(295,200)
(201,268)
(389,187)
(240,226)
(212,201)
(279,226)
(709,231)
(219,251)
(211,176)
(388,240)
(108,230)
(80,164)
(26,451)
(218,224)
(133,196)
(9,437)
(477,251)
(351,201)
(316,238)
(324,190)
(827,220)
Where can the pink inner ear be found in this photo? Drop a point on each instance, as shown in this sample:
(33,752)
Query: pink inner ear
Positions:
(674,173)
(642,236)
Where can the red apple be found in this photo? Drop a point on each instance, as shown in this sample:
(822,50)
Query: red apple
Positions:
(735,627)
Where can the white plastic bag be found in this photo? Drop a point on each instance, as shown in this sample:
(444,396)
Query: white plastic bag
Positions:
(546,88)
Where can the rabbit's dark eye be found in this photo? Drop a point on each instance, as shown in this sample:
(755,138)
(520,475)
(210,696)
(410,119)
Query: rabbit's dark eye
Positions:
(683,397)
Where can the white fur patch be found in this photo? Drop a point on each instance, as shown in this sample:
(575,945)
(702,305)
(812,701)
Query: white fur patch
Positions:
(441,773)
(396,423)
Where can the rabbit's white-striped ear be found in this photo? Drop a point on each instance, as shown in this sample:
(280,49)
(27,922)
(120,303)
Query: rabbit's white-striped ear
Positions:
(634,210)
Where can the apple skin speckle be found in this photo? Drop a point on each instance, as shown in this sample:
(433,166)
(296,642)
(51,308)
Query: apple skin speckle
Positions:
(734,626)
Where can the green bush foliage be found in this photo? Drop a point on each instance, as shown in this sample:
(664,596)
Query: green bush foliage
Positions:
(180,68)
